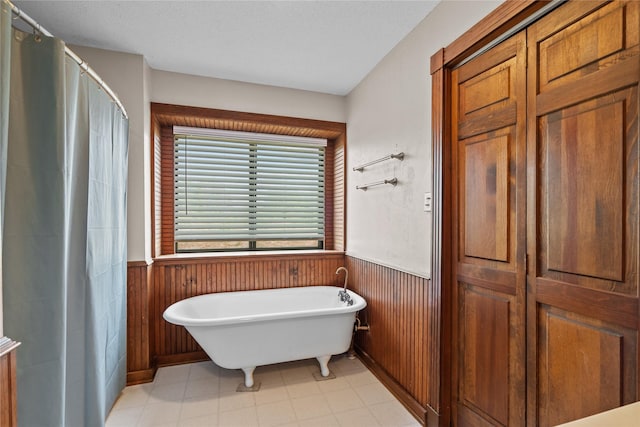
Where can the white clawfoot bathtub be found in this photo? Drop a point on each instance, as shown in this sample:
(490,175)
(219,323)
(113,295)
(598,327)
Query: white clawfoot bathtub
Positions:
(242,330)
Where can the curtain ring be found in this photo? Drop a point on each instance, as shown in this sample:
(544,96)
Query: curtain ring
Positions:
(17,13)
(37,37)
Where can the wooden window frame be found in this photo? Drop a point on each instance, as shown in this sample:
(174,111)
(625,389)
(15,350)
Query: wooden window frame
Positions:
(165,116)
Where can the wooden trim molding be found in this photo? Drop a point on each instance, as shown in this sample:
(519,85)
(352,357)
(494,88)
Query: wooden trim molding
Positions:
(8,383)
(503,18)
(439,315)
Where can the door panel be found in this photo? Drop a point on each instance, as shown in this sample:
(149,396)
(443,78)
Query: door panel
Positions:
(485,345)
(583,366)
(582,301)
(486,172)
(583,212)
(489,199)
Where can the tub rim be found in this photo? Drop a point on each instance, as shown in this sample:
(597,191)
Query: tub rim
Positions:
(171,314)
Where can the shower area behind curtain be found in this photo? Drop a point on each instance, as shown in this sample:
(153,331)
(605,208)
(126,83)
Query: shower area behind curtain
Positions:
(64,242)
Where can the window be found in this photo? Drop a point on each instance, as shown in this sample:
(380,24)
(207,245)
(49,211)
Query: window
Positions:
(240,190)
(234,181)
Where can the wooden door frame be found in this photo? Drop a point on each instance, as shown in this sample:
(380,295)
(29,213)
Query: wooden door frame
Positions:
(511,14)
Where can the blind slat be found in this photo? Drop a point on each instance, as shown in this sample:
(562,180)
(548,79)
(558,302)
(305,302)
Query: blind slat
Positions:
(239,190)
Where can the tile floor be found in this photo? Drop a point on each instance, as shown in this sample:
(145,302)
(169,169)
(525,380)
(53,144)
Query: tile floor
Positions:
(202,394)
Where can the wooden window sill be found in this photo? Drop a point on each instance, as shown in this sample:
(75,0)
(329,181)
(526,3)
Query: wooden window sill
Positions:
(183,258)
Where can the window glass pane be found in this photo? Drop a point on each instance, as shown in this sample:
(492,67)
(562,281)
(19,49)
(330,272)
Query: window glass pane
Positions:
(283,244)
(212,246)
(248,191)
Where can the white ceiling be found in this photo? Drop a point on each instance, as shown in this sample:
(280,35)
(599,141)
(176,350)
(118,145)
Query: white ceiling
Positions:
(322,46)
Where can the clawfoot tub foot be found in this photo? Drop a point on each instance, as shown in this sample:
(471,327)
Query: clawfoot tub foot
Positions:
(324,362)
(248,376)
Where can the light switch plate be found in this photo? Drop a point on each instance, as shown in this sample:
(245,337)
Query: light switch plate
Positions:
(427,202)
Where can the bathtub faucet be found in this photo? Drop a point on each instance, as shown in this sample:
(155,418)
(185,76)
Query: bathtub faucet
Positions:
(344,296)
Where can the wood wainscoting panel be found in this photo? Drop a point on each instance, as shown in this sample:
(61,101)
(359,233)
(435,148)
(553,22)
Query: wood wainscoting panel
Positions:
(139,363)
(398,340)
(8,383)
(177,278)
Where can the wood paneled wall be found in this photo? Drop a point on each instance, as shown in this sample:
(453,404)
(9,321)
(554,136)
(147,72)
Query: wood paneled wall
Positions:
(8,384)
(398,343)
(139,362)
(167,182)
(156,194)
(339,199)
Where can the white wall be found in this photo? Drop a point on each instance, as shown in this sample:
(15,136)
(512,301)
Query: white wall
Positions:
(195,91)
(390,111)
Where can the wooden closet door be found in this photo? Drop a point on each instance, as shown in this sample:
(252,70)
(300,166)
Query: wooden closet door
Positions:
(583,241)
(488,156)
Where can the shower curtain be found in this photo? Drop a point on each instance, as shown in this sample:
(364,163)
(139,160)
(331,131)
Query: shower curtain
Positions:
(64,243)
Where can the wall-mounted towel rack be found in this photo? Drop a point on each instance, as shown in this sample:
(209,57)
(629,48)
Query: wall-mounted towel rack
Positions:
(398,156)
(392,181)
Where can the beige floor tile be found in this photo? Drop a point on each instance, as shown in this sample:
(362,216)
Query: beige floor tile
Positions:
(275,414)
(245,417)
(311,407)
(156,414)
(134,396)
(202,370)
(343,400)
(167,393)
(205,421)
(374,393)
(392,414)
(125,417)
(345,365)
(199,407)
(207,387)
(234,400)
(230,384)
(271,394)
(297,375)
(304,389)
(268,378)
(172,375)
(360,417)
(338,383)
(230,373)
(360,378)
(204,395)
(326,421)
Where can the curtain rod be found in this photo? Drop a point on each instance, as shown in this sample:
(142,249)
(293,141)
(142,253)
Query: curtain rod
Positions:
(87,69)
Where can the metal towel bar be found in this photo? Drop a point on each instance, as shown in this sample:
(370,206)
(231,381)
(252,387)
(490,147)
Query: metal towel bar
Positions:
(392,181)
(399,156)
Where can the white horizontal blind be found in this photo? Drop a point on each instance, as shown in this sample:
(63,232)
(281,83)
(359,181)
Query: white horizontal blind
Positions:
(232,186)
